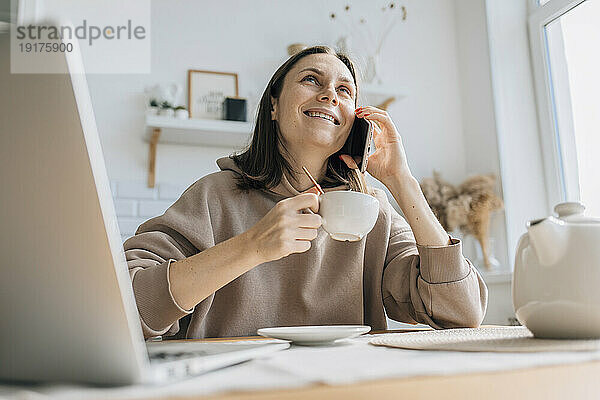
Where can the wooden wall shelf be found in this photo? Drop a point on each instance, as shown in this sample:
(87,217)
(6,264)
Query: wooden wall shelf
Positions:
(199,132)
(205,132)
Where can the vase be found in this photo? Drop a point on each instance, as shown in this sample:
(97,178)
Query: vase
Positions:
(371,72)
(150,111)
(182,114)
(342,46)
(295,48)
(486,255)
(166,112)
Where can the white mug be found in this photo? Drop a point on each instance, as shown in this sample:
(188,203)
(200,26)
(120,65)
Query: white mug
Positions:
(348,216)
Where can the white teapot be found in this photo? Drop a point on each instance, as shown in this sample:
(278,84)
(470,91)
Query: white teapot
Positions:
(556,282)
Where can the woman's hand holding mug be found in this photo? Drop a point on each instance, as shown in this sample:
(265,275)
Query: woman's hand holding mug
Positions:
(285,229)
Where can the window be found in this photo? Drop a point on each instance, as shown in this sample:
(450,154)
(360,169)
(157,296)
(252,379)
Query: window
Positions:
(564,36)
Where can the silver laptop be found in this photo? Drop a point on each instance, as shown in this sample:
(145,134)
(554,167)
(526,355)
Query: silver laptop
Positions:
(67,309)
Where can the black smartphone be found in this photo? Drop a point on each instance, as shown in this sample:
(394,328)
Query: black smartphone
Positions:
(358,144)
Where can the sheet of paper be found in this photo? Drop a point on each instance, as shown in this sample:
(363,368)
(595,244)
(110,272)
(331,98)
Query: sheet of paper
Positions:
(357,360)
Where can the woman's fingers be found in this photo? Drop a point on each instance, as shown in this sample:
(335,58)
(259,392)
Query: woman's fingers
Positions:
(312,221)
(350,163)
(300,246)
(313,190)
(381,117)
(305,234)
(369,110)
(302,201)
(388,132)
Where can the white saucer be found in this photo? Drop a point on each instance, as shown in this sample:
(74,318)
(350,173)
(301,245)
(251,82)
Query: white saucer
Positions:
(314,335)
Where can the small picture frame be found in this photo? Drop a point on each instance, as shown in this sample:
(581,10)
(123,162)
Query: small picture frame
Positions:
(207,90)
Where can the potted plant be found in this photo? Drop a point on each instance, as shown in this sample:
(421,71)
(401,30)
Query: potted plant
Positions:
(181,112)
(166,109)
(153,107)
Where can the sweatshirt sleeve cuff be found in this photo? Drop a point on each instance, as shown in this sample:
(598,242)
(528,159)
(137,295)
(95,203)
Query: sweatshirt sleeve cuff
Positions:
(169,288)
(156,304)
(443,264)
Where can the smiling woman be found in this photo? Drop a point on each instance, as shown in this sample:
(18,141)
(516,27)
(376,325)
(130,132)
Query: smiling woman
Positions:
(239,250)
(294,127)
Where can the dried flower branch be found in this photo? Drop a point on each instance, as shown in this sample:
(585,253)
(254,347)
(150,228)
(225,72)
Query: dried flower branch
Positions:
(392,14)
(467,207)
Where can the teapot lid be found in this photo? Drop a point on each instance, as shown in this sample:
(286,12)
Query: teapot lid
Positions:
(574,212)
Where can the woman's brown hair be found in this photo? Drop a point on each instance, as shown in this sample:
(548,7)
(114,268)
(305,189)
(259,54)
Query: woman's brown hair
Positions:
(262,162)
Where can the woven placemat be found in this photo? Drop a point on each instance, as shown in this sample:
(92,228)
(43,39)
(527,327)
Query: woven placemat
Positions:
(495,339)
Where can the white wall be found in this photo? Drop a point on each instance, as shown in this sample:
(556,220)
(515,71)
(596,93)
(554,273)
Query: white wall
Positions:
(520,151)
(480,136)
(479,128)
(250,38)
(438,55)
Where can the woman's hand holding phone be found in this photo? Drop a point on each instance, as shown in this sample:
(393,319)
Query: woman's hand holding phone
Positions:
(388,163)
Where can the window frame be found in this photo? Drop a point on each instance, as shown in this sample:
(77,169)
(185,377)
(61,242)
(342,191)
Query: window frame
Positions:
(557,138)
(516,121)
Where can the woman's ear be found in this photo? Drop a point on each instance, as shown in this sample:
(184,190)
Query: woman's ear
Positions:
(273,108)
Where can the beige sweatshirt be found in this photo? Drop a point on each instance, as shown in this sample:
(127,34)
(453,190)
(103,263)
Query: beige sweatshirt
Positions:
(332,283)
